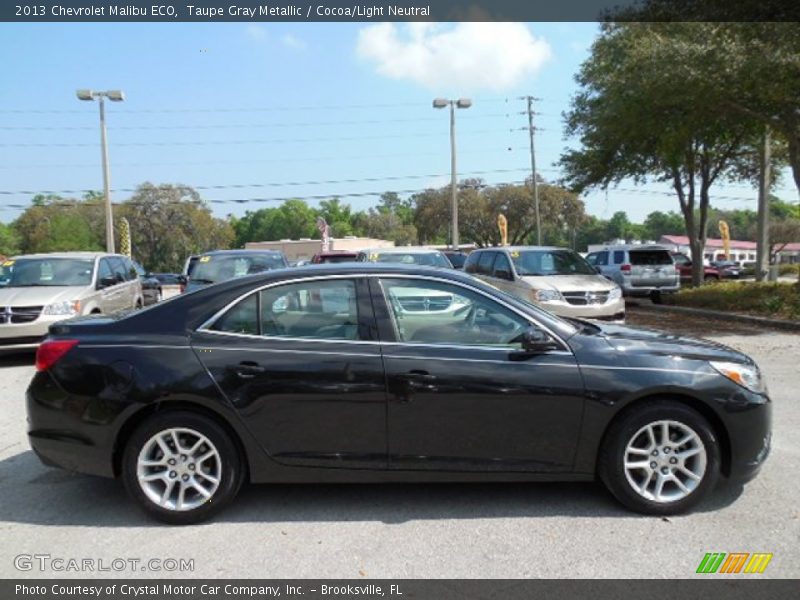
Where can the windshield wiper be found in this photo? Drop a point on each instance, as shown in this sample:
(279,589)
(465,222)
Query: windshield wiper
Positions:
(200,280)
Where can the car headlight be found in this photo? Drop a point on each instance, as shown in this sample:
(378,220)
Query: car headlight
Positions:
(615,293)
(62,308)
(547,296)
(747,376)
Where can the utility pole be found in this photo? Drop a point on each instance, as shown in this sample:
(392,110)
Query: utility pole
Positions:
(106,179)
(762,232)
(535,184)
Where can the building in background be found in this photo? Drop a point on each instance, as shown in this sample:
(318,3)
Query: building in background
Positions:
(306,248)
(742,251)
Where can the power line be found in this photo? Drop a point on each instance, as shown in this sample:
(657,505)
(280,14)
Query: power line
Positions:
(269,184)
(285,108)
(249,200)
(280,125)
(243,142)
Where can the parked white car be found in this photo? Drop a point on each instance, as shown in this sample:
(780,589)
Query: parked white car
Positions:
(37,290)
(557,279)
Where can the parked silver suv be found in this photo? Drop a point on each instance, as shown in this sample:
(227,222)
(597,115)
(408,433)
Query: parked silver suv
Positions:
(37,290)
(557,279)
(640,270)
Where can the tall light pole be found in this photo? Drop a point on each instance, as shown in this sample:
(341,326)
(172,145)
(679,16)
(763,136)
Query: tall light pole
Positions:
(114,96)
(453,104)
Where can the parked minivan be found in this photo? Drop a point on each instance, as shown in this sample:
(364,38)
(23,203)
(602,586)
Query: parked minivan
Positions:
(40,289)
(640,270)
(557,279)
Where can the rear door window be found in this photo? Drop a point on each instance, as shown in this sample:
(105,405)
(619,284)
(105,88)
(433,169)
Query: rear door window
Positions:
(619,257)
(650,257)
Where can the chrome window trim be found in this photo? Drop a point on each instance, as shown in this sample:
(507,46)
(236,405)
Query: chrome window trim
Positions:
(525,317)
(572,365)
(205,327)
(208,323)
(286,351)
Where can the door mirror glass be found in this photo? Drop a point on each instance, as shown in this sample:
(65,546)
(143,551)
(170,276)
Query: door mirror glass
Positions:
(535,341)
(106,282)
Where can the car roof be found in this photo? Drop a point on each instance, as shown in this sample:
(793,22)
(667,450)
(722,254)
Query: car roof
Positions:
(633,247)
(521,248)
(403,250)
(84,255)
(239,252)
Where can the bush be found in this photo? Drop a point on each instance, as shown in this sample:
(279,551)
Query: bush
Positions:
(779,300)
(788,269)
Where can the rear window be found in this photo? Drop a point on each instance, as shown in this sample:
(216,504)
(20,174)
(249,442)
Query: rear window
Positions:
(650,257)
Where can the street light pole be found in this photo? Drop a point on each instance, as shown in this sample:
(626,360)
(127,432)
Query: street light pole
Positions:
(453,104)
(114,96)
(106,183)
(453,182)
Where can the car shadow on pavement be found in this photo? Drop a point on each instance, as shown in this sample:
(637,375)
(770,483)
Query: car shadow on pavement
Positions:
(25,359)
(34,494)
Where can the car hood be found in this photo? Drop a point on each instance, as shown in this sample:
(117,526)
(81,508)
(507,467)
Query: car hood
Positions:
(39,295)
(632,341)
(570,283)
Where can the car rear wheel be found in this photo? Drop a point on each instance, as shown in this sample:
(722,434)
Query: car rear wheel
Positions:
(181,467)
(661,458)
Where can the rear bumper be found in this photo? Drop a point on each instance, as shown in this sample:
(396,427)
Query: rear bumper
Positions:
(68,431)
(639,290)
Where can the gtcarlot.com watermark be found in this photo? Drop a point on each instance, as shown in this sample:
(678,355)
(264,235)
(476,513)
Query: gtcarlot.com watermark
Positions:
(61,564)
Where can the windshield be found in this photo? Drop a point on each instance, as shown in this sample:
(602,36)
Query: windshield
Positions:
(213,269)
(550,262)
(429,259)
(29,272)
(337,258)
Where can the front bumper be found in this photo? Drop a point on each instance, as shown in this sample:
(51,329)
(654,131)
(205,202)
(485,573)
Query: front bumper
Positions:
(613,310)
(17,337)
(646,290)
(749,426)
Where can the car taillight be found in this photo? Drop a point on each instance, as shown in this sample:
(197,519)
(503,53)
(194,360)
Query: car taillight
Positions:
(51,351)
(625,268)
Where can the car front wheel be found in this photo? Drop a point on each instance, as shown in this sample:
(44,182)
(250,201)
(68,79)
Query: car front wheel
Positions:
(181,467)
(661,458)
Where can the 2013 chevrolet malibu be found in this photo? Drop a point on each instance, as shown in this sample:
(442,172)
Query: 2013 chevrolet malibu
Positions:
(359,373)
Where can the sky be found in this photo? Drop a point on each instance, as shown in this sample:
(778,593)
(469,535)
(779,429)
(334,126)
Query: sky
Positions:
(253,113)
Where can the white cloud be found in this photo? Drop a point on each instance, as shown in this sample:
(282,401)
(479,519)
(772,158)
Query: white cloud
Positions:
(256,32)
(464,57)
(293,42)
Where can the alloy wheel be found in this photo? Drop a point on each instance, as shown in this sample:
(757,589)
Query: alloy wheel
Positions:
(665,461)
(179,469)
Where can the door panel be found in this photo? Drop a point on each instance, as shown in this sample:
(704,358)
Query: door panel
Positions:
(462,396)
(309,401)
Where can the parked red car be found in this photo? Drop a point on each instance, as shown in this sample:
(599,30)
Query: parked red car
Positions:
(684,265)
(334,257)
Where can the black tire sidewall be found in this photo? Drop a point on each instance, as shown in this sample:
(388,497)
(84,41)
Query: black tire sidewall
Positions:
(232,470)
(613,453)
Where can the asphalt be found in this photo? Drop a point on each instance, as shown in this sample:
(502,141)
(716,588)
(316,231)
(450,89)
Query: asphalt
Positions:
(409,531)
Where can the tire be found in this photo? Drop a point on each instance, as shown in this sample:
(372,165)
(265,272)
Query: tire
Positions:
(710,279)
(191,428)
(632,429)
(655,297)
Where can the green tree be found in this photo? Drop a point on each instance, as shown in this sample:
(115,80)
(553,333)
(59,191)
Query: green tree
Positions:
(659,223)
(9,240)
(636,119)
(339,216)
(55,224)
(170,222)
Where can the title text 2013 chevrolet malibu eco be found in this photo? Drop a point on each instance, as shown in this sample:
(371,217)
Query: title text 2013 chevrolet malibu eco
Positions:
(344,373)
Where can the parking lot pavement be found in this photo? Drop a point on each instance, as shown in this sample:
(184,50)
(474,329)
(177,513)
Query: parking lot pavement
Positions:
(394,531)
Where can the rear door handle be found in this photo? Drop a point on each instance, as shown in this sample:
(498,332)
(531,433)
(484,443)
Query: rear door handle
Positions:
(419,376)
(248,370)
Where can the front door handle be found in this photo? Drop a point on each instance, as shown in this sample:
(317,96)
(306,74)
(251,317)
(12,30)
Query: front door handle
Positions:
(248,369)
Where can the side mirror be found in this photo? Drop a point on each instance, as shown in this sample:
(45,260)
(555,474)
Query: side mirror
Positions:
(106,282)
(536,341)
(182,279)
(504,274)
(599,270)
